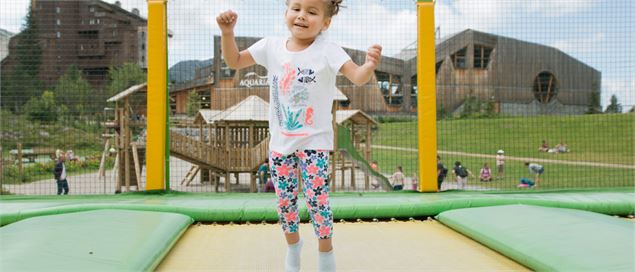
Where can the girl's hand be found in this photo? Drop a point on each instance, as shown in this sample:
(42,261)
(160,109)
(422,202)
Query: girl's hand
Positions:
(226,21)
(373,56)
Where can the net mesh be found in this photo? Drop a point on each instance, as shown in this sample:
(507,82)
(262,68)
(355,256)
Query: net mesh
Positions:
(543,84)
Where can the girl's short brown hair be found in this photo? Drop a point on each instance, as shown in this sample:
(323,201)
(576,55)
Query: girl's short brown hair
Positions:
(332,7)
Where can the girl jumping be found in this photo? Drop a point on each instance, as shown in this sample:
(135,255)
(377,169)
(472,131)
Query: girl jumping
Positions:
(302,69)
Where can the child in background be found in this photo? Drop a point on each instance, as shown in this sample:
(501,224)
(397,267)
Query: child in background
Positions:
(461,173)
(485,173)
(500,164)
(415,181)
(398,179)
(301,70)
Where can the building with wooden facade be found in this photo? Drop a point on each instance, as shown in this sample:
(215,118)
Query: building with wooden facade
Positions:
(520,78)
(91,34)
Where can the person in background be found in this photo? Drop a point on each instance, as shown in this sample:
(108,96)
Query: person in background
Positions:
(263,175)
(461,173)
(442,172)
(415,181)
(486,173)
(500,164)
(375,168)
(536,170)
(562,148)
(544,147)
(59,172)
(398,179)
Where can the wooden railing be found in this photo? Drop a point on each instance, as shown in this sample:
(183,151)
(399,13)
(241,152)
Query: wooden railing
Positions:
(198,152)
(243,159)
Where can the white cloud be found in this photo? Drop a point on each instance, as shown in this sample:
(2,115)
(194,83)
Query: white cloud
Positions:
(363,25)
(581,45)
(12,14)
(558,7)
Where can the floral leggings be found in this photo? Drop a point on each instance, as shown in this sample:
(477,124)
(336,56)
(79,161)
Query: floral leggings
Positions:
(314,166)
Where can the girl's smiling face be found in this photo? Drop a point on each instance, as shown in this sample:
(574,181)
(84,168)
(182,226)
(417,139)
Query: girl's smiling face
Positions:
(306,18)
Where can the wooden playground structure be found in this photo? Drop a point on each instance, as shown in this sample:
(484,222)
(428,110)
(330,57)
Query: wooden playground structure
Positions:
(130,154)
(222,143)
(236,141)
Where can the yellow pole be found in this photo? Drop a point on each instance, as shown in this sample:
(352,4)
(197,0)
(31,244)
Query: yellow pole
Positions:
(157,94)
(426,97)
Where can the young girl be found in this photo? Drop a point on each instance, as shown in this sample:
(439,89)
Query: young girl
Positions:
(301,71)
(486,173)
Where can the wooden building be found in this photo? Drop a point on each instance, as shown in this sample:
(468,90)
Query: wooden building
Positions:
(221,87)
(521,78)
(91,34)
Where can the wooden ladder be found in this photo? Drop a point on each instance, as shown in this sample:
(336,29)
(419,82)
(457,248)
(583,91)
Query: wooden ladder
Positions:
(190,175)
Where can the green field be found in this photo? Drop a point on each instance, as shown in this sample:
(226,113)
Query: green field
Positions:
(592,138)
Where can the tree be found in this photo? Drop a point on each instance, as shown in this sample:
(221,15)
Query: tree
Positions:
(124,76)
(73,91)
(594,103)
(22,81)
(614,107)
(193,103)
(43,108)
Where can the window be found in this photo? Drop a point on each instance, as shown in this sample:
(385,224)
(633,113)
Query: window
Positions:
(481,56)
(98,21)
(58,22)
(459,59)
(91,9)
(390,87)
(225,71)
(58,34)
(57,9)
(88,34)
(91,22)
(545,87)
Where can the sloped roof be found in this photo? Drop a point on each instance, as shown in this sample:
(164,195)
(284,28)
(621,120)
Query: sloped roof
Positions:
(339,95)
(252,108)
(205,116)
(357,116)
(127,92)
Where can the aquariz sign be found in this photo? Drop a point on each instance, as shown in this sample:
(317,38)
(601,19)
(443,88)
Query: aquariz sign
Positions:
(252,79)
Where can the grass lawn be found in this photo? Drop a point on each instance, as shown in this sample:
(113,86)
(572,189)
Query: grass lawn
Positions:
(556,176)
(605,138)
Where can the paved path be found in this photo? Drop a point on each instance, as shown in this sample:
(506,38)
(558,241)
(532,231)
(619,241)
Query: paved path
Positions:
(580,163)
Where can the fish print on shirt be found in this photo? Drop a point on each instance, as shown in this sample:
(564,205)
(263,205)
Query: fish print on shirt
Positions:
(306,76)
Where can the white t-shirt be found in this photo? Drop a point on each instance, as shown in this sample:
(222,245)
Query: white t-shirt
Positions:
(301,92)
(500,159)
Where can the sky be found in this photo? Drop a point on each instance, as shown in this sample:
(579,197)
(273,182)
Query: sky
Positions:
(596,32)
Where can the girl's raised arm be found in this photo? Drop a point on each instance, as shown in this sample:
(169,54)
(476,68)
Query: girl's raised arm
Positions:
(360,75)
(236,60)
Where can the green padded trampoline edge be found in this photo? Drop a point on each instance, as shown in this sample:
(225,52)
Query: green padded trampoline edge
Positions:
(159,258)
(512,240)
(502,248)
(255,208)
